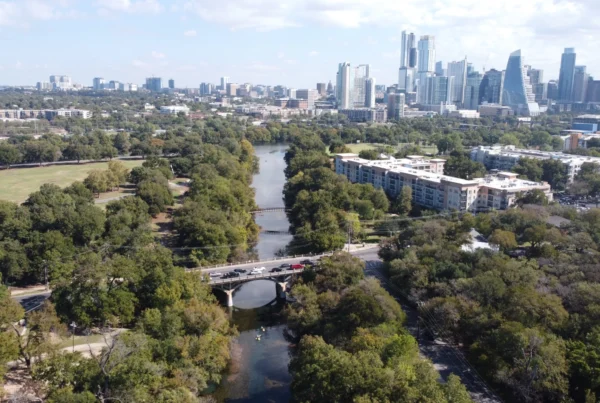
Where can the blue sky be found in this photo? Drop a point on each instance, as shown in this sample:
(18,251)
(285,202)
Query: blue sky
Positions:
(291,42)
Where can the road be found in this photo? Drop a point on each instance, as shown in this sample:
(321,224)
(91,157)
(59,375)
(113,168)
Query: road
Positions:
(446,358)
(30,301)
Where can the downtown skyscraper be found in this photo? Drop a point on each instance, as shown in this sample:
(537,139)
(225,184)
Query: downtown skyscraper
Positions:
(458,70)
(408,61)
(566,75)
(343,87)
(358,91)
(517,93)
(425,66)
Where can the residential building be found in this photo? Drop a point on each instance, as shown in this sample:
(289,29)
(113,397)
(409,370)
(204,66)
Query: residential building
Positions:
(224,82)
(61,83)
(580,84)
(464,114)
(361,73)
(296,103)
(154,84)
(494,110)
(439,90)
(566,75)
(322,89)
(540,91)
(552,90)
(593,91)
(368,115)
(408,51)
(370,93)
(439,69)
(231,89)
(406,79)
(44,86)
(458,70)
(432,189)
(344,86)
(98,84)
(505,157)
(395,106)
(492,87)
(281,102)
(206,89)
(536,76)
(309,95)
(112,85)
(174,110)
(517,92)
(472,90)
(426,53)
(171,84)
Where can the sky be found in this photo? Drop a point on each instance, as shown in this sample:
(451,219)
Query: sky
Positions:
(296,43)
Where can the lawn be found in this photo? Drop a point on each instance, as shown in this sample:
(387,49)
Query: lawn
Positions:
(356,148)
(18,183)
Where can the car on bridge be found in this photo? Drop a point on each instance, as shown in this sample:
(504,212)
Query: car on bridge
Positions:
(240,271)
(258,270)
(231,274)
(276,270)
(307,262)
(215,274)
(297,266)
(285,266)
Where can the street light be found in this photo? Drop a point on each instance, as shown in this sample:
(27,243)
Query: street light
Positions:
(73,326)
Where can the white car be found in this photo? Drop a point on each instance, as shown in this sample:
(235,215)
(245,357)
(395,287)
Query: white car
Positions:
(258,270)
(215,274)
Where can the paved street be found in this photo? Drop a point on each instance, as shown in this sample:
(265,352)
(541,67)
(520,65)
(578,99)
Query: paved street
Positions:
(33,300)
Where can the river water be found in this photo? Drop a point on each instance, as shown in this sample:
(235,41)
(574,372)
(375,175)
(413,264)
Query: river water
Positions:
(259,369)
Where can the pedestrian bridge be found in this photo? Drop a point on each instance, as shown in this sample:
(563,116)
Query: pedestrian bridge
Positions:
(268,210)
(282,282)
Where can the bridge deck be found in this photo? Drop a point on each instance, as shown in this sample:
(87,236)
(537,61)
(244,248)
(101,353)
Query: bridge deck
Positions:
(250,277)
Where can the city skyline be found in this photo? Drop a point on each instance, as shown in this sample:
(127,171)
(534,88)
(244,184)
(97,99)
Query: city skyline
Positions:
(193,41)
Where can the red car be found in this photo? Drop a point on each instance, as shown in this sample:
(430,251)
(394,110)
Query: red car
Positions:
(297,266)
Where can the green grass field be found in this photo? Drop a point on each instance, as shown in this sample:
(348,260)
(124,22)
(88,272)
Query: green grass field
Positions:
(356,148)
(18,183)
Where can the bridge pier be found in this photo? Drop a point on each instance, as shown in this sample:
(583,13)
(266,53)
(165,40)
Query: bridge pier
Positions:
(229,297)
(281,288)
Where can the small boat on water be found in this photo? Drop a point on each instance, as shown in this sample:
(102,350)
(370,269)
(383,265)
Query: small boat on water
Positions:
(258,337)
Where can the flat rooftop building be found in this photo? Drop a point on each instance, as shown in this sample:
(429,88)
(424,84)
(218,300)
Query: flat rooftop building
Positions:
(432,189)
(505,157)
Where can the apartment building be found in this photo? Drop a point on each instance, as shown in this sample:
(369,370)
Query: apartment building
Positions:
(12,114)
(432,189)
(504,158)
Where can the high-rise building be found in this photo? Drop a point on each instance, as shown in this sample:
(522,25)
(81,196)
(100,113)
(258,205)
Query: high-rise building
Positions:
(361,73)
(98,84)
(406,79)
(154,84)
(231,89)
(322,89)
(61,82)
(113,85)
(552,90)
(310,95)
(343,86)
(395,106)
(593,91)
(491,87)
(426,54)
(224,82)
(458,70)
(540,91)
(291,92)
(44,86)
(518,94)
(566,75)
(206,89)
(408,52)
(439,90)
(370,92)
(472,90)
(536,76)
(172,84)
(439,69)
(330,88)
(580,83)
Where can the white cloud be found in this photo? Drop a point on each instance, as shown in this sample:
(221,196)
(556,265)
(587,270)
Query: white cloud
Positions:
(261,67)
(313,53)
(280,55)
(190,32)
(23,12)
(158,55)
(129,6)
(139,64)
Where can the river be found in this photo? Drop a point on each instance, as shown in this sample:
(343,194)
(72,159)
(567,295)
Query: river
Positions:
(259,369)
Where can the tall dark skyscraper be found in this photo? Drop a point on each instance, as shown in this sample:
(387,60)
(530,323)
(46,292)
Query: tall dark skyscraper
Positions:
(408,55)
(154,84)
(491,87)
(517,93)
(172,84)
(566,75)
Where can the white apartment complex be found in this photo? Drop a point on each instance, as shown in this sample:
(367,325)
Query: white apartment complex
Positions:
(14,114)
(432,189)
(505,157)
(174,110)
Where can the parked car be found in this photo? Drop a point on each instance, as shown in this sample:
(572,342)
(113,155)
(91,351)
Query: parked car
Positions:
(241,271)
(285,266)
(297,266)
(276,270)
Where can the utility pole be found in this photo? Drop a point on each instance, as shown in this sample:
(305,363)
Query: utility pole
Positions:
(46,275)
(73,326)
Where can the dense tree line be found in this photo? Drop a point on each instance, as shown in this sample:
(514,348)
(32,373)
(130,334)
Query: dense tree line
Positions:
(352,343)
(525,312)
(324,207)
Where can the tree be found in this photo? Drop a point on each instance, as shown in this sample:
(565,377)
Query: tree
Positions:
(97,182)
(535,196)
(460,165)
(506,240)
(156,195)
(119,170)
(9,154)
(369,154)
(403,203)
